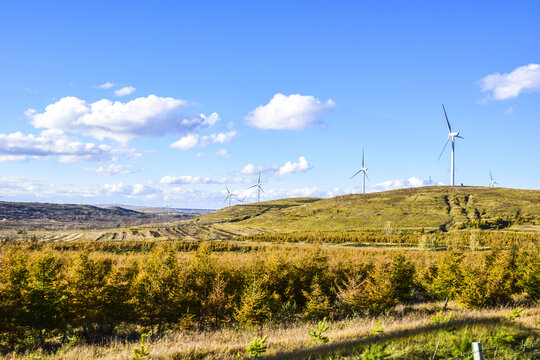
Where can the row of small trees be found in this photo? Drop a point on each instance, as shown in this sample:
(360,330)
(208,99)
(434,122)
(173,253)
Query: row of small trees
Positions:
(455,239)
(47,296)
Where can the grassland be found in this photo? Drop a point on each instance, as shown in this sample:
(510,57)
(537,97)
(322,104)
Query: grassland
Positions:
(428,208)
(409,332)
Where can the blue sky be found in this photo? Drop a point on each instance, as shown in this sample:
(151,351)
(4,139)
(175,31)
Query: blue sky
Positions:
(166,102)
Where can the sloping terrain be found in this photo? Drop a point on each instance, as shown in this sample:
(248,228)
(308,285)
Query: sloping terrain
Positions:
(431,208)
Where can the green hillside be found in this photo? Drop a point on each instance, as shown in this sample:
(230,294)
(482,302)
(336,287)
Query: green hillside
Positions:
(430,208)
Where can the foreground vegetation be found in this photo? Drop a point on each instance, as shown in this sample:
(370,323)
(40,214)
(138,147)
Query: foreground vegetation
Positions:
(51,293)
(406,332)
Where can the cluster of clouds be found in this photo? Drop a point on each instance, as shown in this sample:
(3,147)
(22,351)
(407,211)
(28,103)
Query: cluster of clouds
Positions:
(150,116)
(174,189)
(17,146)
(145,116)
(506,86)
(289,167)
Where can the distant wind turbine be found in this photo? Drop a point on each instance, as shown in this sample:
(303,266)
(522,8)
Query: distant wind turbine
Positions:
(451,135)
(242,200)
(229,195)
(491,182)
(258,186)
(363,170)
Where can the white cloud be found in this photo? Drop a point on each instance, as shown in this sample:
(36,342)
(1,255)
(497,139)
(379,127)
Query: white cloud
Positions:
(250,169)
(124,91)
(289,168)
(106,85)
(506,86)
(293,112)
(11,158)
(112,169)
(192,140)
(144,116)
(223,153)
(509,111)
(52,143)
(401,183)
(187,142)
(126,190)
(187,179)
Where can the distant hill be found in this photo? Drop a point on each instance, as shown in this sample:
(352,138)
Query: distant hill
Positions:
(440,208)
(14,214)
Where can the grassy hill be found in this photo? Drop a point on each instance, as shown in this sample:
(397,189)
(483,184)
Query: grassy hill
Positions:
(431,208)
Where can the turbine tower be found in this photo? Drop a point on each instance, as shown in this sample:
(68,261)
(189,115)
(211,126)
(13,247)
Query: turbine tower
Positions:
(258,186)
(363,170)
(491,182)
(229,195)
(451,135)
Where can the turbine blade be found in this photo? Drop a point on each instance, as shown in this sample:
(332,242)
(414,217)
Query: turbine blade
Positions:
(447,122)
(253,186)
(261,189)
(227,189)
(446,143)
(366,175)
(490,176)
(259,181)
(362,157)
(461,137)
(358,172)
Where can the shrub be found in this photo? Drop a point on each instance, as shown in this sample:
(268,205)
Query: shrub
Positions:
(257,347)
(475,241)
(402,277)
(317,333)
(254,306)
(318,303)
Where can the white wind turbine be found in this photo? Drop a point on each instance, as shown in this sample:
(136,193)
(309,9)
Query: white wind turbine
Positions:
(258,186)
(229,195)
(491,182)
(363,170)
(451,135)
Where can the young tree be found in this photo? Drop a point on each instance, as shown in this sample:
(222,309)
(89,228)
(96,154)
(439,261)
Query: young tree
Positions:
(46,290)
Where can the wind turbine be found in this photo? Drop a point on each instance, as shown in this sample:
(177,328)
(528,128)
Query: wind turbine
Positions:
(451,135)
(242,200)
(491,182)
(364,174)
(229,195)
(258,186)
